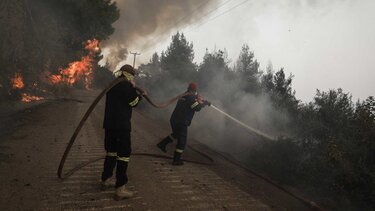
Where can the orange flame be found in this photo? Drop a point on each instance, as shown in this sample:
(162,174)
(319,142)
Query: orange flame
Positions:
(55,79)
(92,46)
(78,69)
(29,98)
(17,81)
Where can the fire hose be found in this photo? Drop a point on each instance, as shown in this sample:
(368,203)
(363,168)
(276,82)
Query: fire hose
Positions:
(91,108)
(93,105)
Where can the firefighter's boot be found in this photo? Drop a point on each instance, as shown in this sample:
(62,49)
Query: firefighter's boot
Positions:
(109,165)
(177,161)
(123,193)
(104,185)
(163,144)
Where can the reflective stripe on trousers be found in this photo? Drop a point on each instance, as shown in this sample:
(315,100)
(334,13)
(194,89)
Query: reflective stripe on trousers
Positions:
(124,159)
(179,150)
(112,154)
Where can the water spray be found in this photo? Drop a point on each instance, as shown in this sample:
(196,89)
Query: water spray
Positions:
(157,105)
(244,125)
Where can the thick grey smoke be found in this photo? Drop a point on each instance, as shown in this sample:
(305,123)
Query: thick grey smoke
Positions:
(223,134)
(143,23)
(214,129)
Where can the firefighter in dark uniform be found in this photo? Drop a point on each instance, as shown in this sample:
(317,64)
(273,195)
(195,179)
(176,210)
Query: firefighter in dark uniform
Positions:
(181,118)
(120,100)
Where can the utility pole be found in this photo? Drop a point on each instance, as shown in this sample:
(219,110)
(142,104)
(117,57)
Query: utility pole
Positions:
(135,54)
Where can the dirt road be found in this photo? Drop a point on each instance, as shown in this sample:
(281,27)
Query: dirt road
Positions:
(33,140)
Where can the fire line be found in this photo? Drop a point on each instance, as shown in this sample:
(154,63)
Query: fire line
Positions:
(78,70)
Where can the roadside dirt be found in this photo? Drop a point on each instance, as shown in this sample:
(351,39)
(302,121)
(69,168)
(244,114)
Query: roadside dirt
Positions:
(33,140)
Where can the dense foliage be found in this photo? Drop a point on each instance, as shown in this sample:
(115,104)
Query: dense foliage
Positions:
(330,149)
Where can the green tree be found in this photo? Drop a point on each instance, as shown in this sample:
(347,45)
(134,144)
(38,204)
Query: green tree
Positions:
(85,19)
(283,94)
(177,61)
(328,118)
(213,64)
(279,88)
(248,68)
(335,110)
(358,178)
(267,83)
(365,121)
(151,73)
(152,68)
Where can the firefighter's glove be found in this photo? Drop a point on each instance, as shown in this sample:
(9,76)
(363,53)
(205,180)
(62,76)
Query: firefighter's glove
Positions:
(208,103)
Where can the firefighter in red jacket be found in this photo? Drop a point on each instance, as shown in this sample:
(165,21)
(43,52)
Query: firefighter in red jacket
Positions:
(181,118)
(120,100)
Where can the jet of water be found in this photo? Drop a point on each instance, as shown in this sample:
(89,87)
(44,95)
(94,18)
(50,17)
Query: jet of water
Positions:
(244,125)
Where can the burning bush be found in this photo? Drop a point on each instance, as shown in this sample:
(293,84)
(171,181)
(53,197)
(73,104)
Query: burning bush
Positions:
(55,32)
(78,70)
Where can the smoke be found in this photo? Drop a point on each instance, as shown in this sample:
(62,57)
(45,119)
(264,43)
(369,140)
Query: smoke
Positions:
(114,55)
(223,134)
(214,129)
(142,24)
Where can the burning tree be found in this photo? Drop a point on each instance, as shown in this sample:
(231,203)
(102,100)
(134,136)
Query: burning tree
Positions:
(47,36)
(78,70)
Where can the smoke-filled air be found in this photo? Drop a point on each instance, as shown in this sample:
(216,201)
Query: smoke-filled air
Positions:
(143,24)
(256,118)
(325,148)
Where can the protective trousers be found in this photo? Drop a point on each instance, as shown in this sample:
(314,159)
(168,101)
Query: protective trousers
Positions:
(179,132)
(118,146)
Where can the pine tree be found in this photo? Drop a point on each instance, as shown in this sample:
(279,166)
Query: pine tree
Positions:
(248,68)
(213,64)
(177,61)
(152,68)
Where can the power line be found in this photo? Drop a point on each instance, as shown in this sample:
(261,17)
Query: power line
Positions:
(218,7)
(186,16)
(176,23)
(211,19)
(206,14)
(223,13)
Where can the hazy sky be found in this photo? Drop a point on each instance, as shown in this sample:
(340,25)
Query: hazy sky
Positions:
(326,44)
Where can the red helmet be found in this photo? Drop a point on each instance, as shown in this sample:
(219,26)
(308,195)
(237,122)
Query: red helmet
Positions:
(193,86)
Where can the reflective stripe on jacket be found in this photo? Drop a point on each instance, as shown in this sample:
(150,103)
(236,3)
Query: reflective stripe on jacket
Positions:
(120,100)
(185,109)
